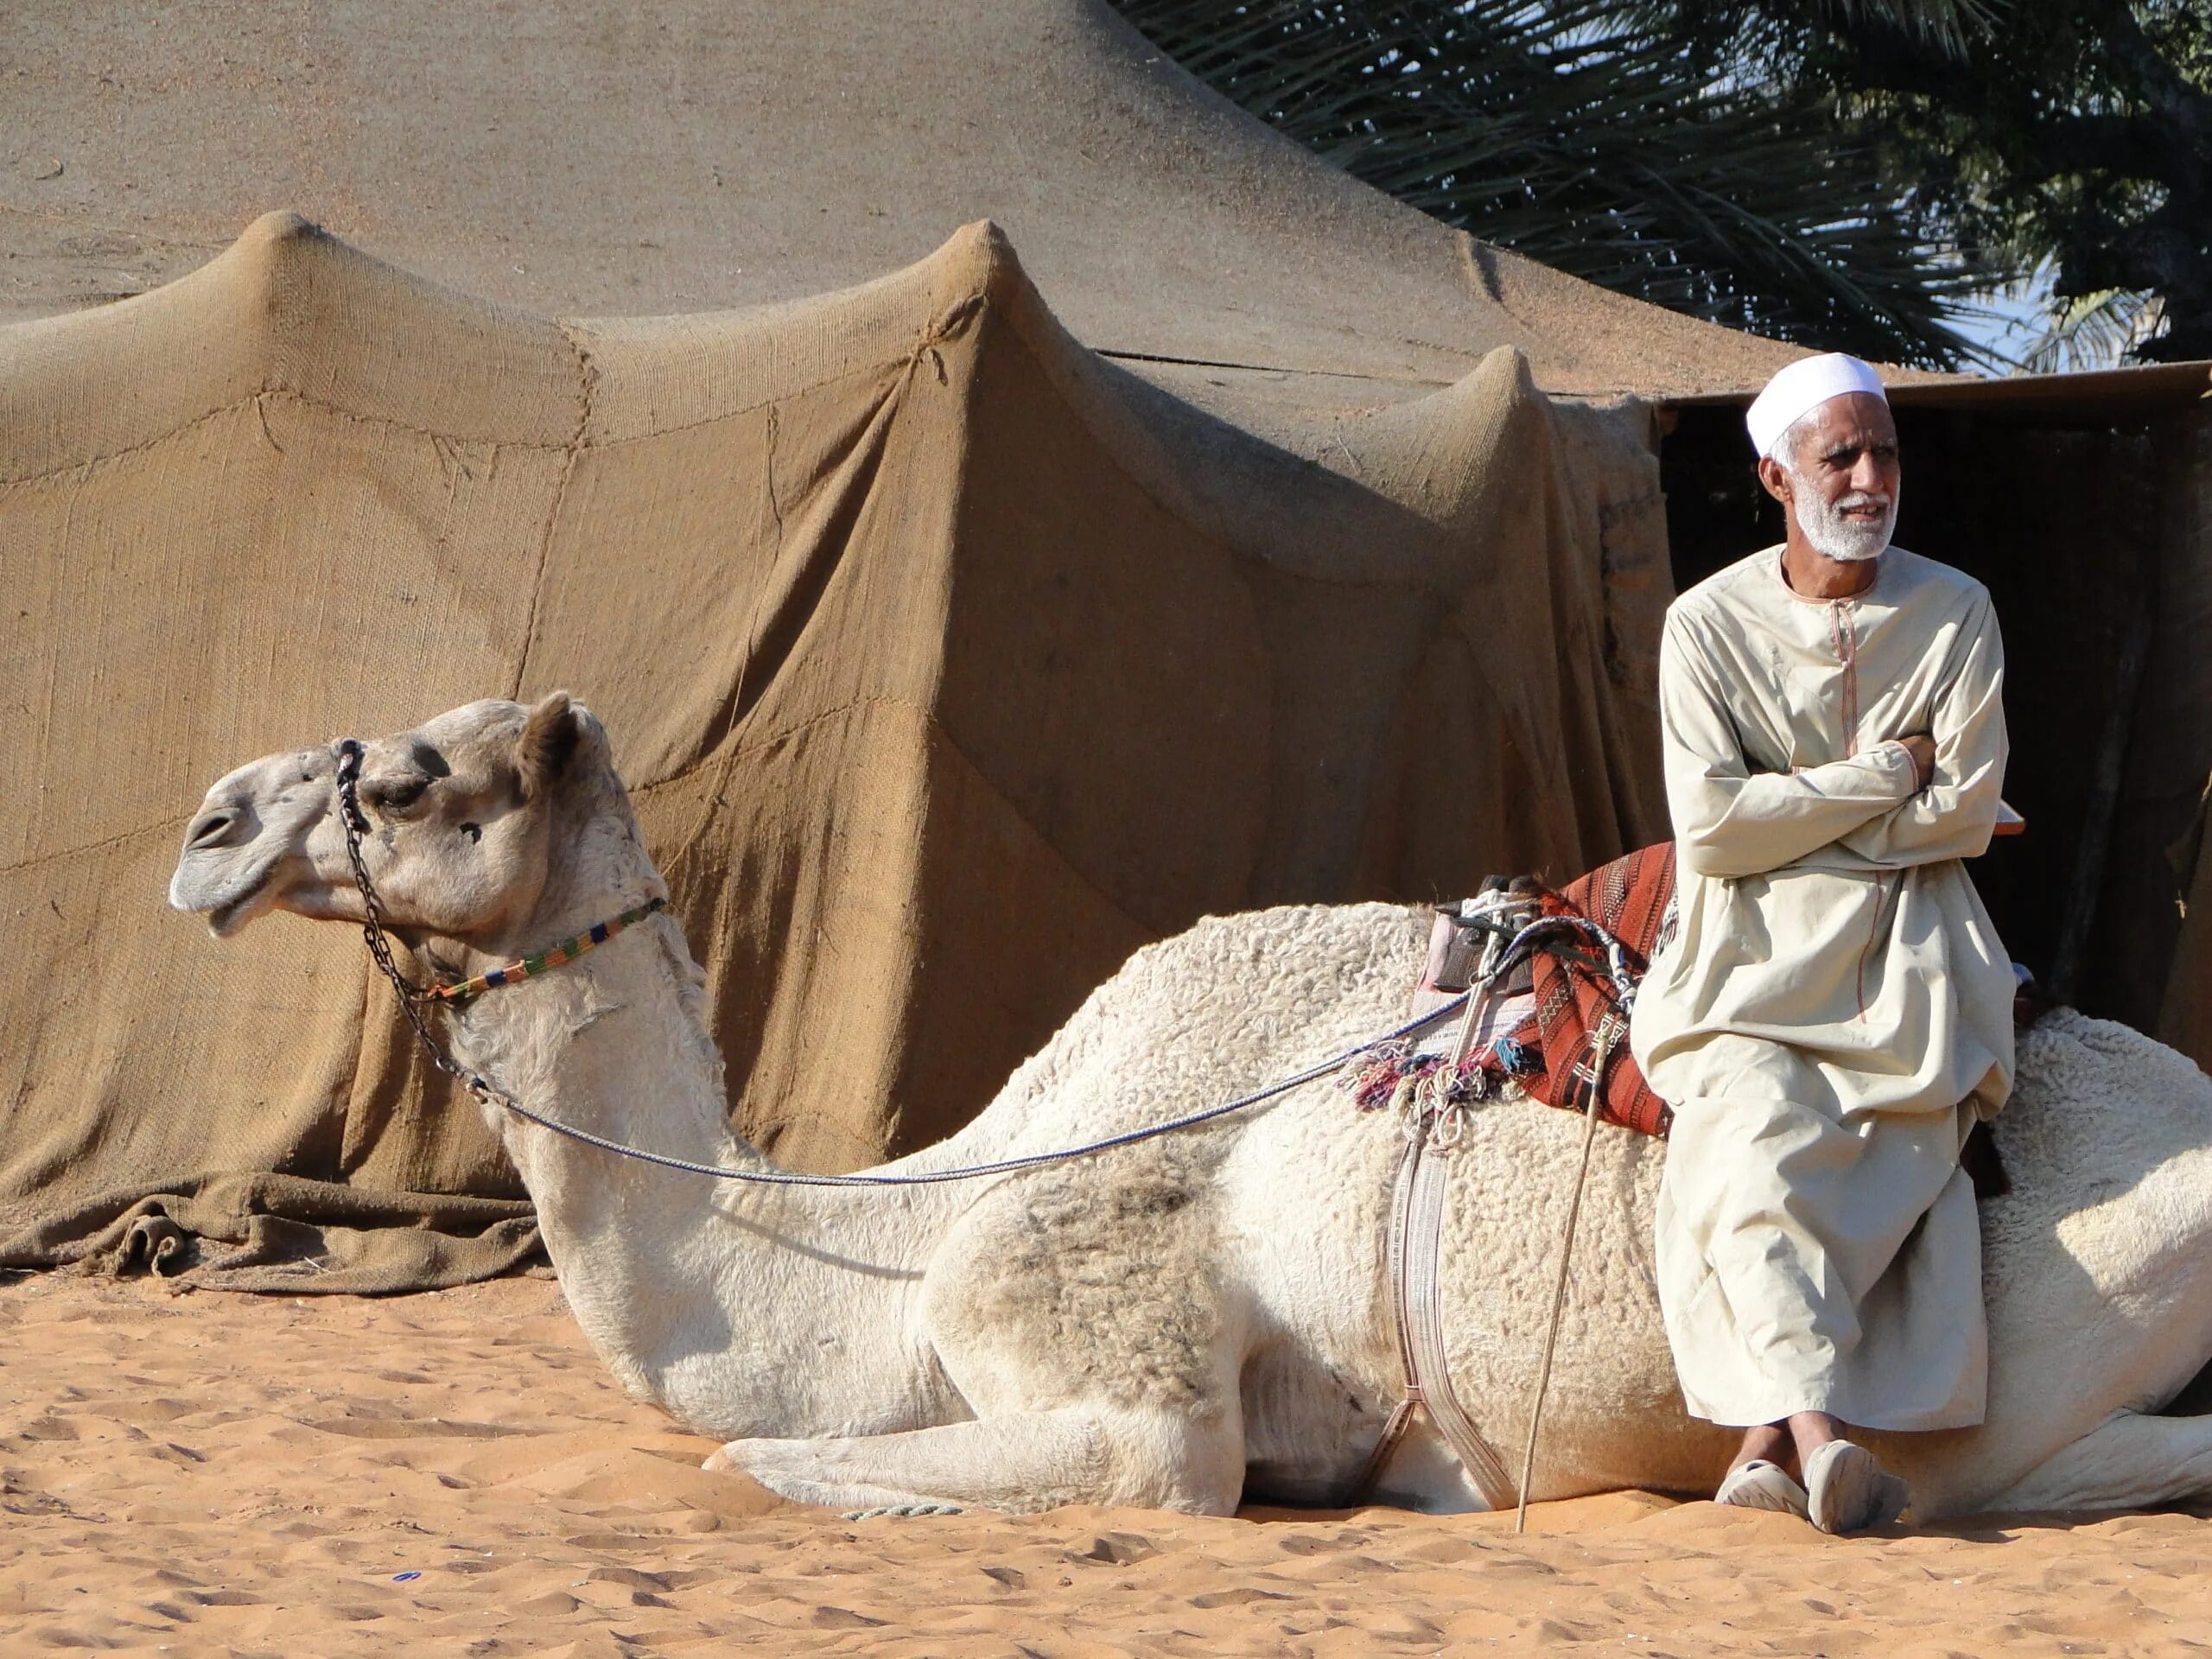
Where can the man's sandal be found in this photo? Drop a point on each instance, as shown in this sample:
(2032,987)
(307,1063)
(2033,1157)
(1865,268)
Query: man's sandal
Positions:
(1759,1484)
(1848,1491)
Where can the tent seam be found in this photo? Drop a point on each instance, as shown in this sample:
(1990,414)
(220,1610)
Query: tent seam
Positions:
(725,759)
(105,841)
(1125,354)
(572,443)
(255,397)
(586,393)
(874,366)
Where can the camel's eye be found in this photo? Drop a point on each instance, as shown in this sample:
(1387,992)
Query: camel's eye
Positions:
(474,831)
(395,794)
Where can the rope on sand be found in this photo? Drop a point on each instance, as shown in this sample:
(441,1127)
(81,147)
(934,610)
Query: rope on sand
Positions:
(904,1510)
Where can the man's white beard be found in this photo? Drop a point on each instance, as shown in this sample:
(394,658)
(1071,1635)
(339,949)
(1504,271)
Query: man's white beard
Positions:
(1834,536)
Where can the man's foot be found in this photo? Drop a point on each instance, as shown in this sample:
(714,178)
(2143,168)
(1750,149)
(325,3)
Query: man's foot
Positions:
(1759,1484)
(1848,1491)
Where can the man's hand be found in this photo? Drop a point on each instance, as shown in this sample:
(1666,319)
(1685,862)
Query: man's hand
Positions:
(1922,748)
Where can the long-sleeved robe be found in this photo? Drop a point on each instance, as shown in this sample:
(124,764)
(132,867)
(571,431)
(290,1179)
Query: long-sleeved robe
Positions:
(1832,1008)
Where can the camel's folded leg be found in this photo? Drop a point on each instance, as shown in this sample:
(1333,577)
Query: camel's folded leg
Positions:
(1024,1461)
(2130,1461)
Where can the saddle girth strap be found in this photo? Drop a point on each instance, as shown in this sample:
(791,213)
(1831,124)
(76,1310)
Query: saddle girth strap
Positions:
(1415,1256)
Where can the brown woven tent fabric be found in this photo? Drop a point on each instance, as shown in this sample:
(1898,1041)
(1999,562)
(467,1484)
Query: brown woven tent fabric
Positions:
(948,662)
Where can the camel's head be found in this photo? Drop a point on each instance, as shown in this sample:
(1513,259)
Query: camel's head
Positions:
(463,811)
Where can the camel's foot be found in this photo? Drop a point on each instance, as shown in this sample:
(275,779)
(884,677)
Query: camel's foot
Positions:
(1026,1461)
(2130,1461)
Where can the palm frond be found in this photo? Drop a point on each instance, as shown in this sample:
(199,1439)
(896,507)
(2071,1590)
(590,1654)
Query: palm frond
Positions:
(1623,154)
(2095,331)
(1950,24)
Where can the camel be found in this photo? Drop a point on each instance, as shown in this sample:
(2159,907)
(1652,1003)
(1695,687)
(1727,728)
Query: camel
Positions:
(1197,1319)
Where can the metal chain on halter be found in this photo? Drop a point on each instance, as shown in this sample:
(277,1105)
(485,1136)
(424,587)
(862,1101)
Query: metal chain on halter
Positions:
(355,824)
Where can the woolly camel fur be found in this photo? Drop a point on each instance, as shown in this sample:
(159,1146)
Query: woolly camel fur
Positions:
(1198,1318)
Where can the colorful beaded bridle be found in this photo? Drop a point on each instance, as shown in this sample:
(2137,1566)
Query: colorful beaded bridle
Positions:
(461,991)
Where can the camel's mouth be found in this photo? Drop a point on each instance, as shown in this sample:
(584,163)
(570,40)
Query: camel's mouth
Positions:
(227,904)
(225,919)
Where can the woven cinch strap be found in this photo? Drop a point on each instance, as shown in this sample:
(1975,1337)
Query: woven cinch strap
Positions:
(467,990)
(1415,1259)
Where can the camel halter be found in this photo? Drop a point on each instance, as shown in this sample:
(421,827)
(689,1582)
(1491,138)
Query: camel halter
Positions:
(457,993)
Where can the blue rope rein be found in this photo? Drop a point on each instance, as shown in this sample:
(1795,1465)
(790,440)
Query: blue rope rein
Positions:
(1522,943)
(971,1172)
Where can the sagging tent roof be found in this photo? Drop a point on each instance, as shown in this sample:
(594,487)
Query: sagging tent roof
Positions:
(584,159)
(948,662)
(581,159)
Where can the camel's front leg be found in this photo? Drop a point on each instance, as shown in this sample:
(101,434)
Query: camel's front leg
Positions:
(1025,1461)
(2130,1461)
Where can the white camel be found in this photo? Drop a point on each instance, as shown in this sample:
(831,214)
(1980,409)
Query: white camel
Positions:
(1197,1318)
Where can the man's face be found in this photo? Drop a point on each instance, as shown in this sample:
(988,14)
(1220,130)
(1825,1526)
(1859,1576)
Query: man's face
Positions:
(1836,476)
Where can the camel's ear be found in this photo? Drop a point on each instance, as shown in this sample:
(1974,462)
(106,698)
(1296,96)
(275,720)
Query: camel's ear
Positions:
(548,740)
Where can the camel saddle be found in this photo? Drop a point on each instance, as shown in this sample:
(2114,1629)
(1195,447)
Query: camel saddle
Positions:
(1572,1005)
(1571,1035)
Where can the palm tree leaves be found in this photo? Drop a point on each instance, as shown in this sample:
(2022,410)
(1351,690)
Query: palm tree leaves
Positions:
(1602,143)
(2071,140)
(2095,331)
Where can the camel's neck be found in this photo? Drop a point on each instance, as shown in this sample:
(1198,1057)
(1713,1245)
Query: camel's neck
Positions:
(744,1309)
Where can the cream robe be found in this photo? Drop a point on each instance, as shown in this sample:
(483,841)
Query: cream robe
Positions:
(1832,1008)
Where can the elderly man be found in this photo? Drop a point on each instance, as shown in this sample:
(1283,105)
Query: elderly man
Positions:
(1832,1010)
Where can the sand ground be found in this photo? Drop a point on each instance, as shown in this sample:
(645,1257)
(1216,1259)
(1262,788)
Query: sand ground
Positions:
(211,1474)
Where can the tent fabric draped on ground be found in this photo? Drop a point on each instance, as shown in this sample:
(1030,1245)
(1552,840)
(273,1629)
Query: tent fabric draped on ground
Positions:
(948,662)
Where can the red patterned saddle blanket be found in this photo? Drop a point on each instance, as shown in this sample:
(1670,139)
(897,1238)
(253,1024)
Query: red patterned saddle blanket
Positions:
(1567,1034)
(1630,899)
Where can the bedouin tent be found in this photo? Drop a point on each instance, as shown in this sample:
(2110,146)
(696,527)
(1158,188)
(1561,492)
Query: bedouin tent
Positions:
(947,667)
(958,632)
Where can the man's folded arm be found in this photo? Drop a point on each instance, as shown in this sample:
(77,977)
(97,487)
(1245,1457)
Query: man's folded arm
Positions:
(1730,821)
(1953,816)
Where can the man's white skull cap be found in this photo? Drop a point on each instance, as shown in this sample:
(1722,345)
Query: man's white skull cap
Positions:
(1803,387)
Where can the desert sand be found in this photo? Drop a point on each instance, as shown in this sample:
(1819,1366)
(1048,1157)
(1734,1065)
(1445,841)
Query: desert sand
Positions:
(453,1473)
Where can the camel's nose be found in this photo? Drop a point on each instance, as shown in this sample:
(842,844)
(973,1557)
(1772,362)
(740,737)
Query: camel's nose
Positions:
(217,827)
